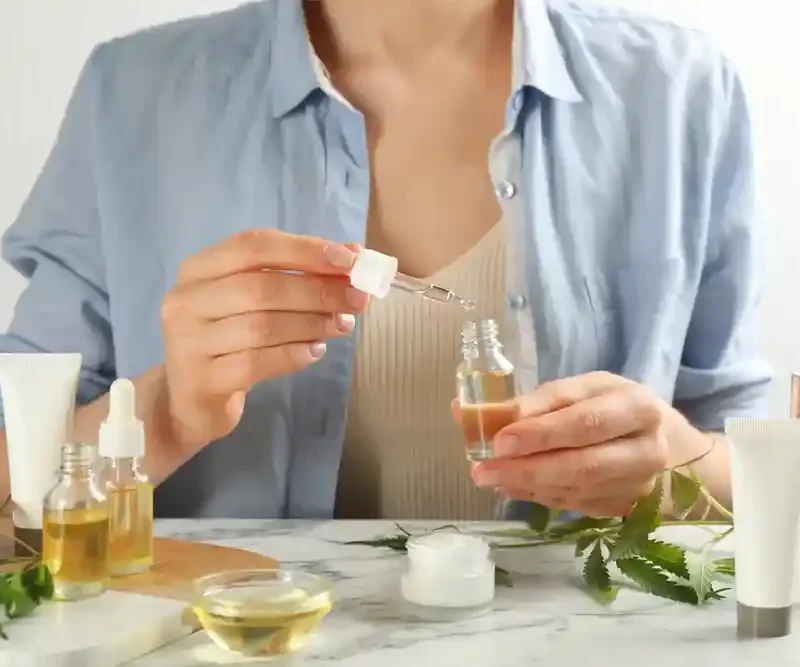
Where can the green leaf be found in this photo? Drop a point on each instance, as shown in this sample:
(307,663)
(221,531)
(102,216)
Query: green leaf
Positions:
(14,598)
(667,556)
(725,566)
(581,525)
(637,526)
(515,533)
(539,517)
(502,577)
(596,576)
(654,581)
(701,574)
(393,542)
(583,544)
(684,492)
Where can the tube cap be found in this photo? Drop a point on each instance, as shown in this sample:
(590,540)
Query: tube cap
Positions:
(762,622)
(373,273)
(122,434)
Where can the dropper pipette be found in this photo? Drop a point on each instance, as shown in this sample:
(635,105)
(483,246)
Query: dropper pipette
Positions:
(377,274)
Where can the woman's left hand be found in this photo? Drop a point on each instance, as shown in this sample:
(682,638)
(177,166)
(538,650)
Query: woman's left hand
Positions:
(592,444)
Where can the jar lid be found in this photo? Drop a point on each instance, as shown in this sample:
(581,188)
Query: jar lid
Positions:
(373,272)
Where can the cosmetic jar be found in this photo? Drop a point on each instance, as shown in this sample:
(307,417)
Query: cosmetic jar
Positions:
(450,576)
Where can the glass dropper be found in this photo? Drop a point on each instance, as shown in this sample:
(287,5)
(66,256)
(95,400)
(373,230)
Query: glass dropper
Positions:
(377,274)
(430,291)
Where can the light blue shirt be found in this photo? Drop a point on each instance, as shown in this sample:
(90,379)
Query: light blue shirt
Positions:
(639,252)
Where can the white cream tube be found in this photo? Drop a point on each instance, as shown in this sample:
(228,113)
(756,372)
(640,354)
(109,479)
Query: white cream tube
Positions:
(765,470)
(38,393)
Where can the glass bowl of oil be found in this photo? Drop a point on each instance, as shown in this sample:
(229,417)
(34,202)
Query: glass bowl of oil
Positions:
(261,612)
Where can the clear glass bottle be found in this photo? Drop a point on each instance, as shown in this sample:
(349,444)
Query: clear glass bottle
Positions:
(76,527)
(486,388)
(125,482)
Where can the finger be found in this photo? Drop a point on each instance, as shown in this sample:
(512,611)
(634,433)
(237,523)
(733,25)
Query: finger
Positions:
(242,370)
(267,329)
(589,422)
(560,394)
(635,459)
(259,291)
(268,249)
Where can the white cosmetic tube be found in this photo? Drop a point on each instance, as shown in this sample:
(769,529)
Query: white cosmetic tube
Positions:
(38,392)
(765,469)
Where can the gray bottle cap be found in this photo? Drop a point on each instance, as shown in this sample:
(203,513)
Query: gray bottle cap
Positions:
(762,622)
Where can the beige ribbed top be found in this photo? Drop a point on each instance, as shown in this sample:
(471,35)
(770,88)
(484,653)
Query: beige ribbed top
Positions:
(403,453)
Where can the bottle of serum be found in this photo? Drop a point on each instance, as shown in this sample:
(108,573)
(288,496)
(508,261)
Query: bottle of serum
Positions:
(129,491)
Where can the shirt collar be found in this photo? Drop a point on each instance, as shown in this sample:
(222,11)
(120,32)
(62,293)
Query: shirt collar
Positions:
(538,58)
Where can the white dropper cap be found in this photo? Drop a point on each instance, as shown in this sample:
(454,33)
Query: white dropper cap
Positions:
(122,434)
(373,273)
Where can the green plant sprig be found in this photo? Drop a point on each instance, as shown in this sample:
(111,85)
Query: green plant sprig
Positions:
(26,587)
(625,544)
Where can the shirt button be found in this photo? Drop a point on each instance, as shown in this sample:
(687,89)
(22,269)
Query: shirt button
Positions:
(516,301)
(506,190)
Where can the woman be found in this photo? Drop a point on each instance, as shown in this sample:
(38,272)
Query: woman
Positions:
(612,231)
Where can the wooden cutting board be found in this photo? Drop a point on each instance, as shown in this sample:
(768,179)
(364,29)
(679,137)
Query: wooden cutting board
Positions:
(178,563)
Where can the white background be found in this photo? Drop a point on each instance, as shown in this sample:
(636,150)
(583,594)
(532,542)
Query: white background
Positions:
(43,44)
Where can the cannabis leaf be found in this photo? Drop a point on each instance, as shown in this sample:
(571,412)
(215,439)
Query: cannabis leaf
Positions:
(653,580)
(596,576)
(684,491)
(583,543)
(637,526)
(539,517)
(582,525)
(668,557)
(23,591)
(701,573)
(725,566)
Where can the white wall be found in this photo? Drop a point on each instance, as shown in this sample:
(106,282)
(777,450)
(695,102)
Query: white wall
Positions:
(43,44)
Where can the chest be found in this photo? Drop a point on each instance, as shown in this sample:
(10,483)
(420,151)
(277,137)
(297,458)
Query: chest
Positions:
(431,197)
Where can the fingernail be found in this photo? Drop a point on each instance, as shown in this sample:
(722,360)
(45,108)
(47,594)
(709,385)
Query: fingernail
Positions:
(317,350)
(506,445)
(345,322)
(340,256)
(486,477)
(356,298)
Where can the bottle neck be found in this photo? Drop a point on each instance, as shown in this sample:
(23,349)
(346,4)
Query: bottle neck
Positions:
(78,461)
(123,468)
(480,339)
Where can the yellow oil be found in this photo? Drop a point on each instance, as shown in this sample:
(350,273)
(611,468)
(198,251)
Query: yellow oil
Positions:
(75,550)
(250,623)
(131,531)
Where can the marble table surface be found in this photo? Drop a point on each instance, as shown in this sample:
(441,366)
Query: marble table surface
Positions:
(544,619)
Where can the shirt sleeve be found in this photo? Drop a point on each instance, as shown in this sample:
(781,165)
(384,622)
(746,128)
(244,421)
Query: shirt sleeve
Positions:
(721,374)
(56,244)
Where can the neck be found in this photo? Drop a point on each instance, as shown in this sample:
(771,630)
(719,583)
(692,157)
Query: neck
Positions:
(405,31)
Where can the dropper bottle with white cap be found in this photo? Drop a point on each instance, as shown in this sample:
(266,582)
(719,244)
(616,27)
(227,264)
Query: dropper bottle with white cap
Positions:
(129,491)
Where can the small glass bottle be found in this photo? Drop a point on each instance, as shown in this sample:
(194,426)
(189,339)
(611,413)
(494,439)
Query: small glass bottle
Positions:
(129,490)
(75,527)
(486,388)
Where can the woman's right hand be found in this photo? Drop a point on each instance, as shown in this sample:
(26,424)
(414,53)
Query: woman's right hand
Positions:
(236,317)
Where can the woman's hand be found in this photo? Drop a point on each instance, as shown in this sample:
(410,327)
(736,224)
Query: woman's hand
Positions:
(592,444)
(257,306)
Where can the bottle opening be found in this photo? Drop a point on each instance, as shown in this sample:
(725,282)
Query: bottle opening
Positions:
(480,332)
(77,457)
